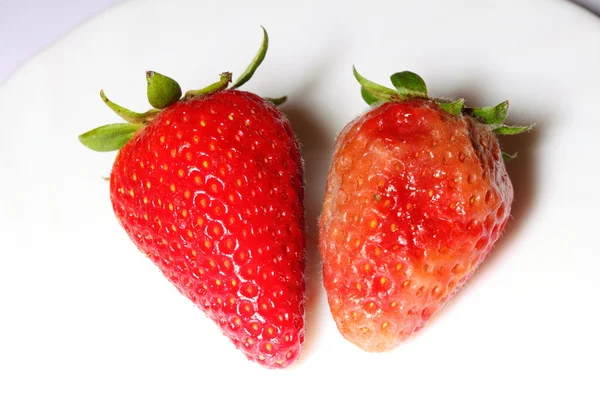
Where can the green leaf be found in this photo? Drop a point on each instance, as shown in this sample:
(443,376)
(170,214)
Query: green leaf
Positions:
(409,84)
(368,97)
(224,80)
(453,108)
(255,63)
(162,90)
(375,91)
(491,115)
(511,130)
(109,137)
(277,100)
(508,157)
(128,115)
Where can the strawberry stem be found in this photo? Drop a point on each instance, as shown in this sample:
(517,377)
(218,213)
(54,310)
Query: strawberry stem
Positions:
(224,81)
(128,115)
(255,63)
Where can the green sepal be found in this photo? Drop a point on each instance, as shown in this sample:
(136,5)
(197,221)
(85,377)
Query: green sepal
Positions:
(277,100)
(454,108)
(409,85)
(162,90)
(368,97)
(375,92)
(508,157)
(494,115)
(510,130)
(109,137)
(128,115)
(221,84)
(255,63)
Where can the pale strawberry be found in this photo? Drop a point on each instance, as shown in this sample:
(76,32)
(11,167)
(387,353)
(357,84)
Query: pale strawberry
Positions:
(416,197)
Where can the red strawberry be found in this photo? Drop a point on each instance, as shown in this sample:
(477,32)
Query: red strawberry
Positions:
(416,197)
(210,188)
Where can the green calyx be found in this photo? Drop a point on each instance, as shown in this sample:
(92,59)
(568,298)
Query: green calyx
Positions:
(163,92)
(410,86)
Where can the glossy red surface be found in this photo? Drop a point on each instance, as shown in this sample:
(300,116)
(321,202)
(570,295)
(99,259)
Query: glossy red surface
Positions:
(212,192)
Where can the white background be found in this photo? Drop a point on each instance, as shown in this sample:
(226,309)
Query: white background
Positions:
(83,316)
(27,26)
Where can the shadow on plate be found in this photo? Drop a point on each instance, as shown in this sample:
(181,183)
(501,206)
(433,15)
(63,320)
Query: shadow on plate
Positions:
(316,146)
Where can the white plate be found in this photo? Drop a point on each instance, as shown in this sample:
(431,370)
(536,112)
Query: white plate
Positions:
(84,316)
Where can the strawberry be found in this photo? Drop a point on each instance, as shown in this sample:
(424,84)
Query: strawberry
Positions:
(417,195)
(209,186)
